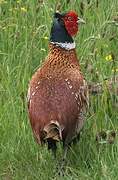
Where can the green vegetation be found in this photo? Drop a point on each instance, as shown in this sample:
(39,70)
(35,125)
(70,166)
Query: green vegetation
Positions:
(24,28)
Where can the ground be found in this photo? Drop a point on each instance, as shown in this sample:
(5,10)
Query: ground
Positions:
(24,32)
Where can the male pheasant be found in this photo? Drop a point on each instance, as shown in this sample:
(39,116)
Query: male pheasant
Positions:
(58,95)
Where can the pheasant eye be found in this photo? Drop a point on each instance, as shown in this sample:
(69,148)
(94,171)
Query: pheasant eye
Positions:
(70,18)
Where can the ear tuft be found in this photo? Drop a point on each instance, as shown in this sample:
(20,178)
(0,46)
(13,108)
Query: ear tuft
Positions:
(57,15)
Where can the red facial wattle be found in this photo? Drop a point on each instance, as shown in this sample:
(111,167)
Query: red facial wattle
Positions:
(71,27)
(71,23)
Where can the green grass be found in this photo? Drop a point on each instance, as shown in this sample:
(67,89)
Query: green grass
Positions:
(23,47)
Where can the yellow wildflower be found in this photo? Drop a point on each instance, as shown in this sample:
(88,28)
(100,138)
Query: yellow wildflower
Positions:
(109,57)
(45,37)
(23,9)
(115,70)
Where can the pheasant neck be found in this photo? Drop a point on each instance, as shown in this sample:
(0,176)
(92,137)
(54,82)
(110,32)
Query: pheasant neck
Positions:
(60,37)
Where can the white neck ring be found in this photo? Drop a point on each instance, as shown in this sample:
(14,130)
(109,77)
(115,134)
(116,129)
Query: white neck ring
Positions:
(66,45)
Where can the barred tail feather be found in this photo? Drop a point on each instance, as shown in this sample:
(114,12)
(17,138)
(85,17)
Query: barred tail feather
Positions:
(53,131)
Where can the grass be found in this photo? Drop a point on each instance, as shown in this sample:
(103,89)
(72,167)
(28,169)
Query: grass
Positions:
(24,28)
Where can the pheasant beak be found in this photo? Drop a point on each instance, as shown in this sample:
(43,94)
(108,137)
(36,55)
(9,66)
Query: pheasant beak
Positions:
(81,21)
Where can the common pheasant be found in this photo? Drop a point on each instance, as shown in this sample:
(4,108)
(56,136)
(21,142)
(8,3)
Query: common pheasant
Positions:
(58,94)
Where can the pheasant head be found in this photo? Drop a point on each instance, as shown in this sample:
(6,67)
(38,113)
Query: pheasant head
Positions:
(64,27)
